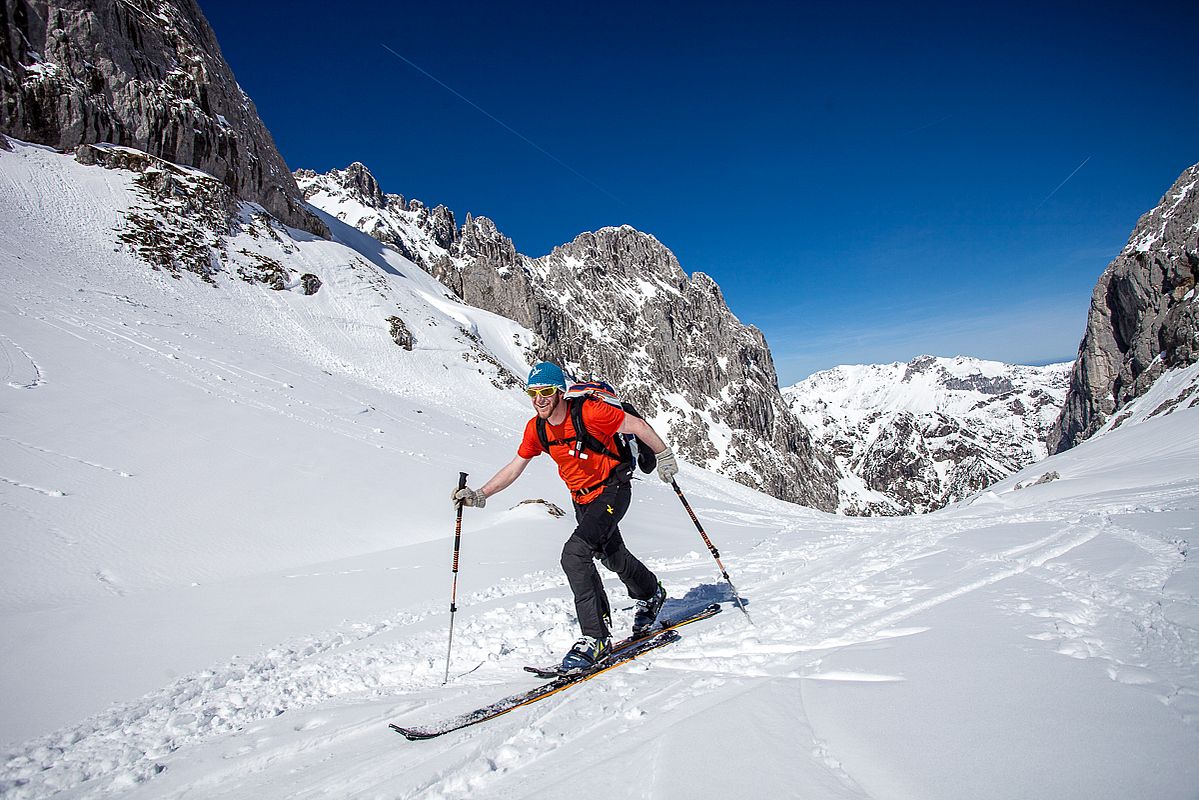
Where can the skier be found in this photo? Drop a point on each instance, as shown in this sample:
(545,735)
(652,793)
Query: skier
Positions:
(600,488)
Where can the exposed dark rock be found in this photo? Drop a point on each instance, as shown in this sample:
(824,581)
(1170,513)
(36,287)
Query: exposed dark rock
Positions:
(1144,316)
(311,283)
(145,74)
(1048,477)
(185,216)
(979,383)
(400,333)
(552,509)
(264,270)
(477,352)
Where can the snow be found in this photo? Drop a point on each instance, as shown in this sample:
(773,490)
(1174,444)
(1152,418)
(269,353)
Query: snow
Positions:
(854,392)
(236,571)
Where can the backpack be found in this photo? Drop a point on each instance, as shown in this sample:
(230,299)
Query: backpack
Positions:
(630,450)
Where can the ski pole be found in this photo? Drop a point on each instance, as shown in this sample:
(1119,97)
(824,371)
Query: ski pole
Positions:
(712,549)
(454,590)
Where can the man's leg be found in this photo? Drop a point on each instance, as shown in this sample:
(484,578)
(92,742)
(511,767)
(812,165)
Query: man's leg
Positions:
(591,602)
(636,577)
(597,522)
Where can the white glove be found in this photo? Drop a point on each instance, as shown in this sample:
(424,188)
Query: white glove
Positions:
(468,497)
(668,465)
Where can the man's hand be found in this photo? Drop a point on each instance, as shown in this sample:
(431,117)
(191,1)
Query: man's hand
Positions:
(668,465)
(468,497)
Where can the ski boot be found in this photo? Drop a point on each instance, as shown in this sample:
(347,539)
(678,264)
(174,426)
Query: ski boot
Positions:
(647,611)
(586,653)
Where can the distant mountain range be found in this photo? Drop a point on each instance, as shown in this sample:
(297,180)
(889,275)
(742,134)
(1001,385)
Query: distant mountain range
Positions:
(910,438)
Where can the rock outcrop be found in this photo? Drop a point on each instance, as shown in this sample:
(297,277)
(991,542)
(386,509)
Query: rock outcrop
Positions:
(186,222)
(1144,316)
(144,74)
(614,303)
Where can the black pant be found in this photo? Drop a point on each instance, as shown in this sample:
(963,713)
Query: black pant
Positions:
(597,536)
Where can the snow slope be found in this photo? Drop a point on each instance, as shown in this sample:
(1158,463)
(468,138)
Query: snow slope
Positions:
(227,545)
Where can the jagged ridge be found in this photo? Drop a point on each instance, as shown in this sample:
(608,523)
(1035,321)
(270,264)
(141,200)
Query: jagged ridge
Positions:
(616,303)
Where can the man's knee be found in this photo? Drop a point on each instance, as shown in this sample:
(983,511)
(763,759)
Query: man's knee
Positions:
(576,555)
(616,561)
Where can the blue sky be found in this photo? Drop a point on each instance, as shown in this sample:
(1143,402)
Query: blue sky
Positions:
(866,183)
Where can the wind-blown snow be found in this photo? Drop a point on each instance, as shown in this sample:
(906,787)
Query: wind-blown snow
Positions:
(227,545)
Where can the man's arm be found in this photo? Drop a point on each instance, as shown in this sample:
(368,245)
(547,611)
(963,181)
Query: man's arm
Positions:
(641,429)
(668,465)
(504,478)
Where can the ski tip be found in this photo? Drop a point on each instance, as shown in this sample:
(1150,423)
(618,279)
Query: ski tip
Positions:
(410,735)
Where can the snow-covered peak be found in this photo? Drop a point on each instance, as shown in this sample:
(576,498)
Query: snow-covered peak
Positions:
(926,384)
(421,234)
(914,436)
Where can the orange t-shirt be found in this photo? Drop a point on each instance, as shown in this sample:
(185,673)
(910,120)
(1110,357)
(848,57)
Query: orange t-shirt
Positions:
(585,470)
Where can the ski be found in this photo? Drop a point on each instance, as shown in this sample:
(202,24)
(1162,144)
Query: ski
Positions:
(618,648)
(500,707)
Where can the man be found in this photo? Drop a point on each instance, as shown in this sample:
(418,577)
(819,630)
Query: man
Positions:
(600,487)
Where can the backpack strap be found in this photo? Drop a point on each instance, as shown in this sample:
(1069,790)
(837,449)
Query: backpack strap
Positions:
(584,436)
(543,436)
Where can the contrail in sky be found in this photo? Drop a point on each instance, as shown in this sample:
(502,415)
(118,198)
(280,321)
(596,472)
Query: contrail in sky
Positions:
(499,121)
(928,125)
(1063,183)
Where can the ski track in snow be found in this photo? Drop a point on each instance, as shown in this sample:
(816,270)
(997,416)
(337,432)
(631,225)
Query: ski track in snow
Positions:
(219,379)
(84,461)
(857,588)
(37,489)
(18,371)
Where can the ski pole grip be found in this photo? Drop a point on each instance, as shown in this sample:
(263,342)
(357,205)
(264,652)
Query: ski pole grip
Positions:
(461,480)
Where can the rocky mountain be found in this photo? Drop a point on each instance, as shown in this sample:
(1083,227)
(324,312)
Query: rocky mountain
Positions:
(614,303)
(1143,320)
(911,438)
(143,74)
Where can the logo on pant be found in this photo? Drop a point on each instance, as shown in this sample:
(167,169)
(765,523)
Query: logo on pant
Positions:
(610,511)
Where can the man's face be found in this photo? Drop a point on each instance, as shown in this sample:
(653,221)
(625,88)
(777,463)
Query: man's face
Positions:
(545,405)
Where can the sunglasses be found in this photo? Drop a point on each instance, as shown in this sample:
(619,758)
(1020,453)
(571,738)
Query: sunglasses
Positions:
(542,391)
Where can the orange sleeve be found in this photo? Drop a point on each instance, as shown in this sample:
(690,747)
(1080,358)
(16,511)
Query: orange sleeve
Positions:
(601,418)
(530,445)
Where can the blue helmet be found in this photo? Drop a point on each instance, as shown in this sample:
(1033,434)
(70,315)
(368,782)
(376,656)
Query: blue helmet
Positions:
(547,374)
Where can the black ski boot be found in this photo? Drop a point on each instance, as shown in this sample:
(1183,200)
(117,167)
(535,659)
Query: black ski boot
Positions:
(647,611)
(586,653)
